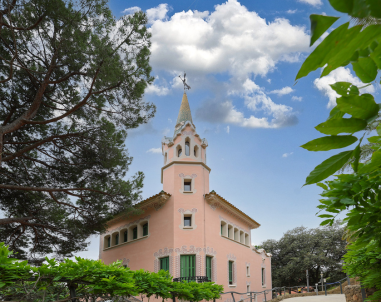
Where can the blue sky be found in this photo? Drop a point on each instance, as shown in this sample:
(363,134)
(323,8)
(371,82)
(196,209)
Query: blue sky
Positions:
(241,59)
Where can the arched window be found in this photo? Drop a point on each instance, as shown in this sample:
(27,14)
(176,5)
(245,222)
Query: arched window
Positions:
(195,151)
(165,158)
(187,147)
(116,239)
(179,151)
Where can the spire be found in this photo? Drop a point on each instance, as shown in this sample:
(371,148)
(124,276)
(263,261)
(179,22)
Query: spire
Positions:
(184,113)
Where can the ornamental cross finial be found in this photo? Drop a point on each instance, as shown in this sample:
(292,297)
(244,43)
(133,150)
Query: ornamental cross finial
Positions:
(186,86)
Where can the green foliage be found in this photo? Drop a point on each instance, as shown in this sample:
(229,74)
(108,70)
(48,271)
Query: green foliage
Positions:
(64,119)
(317,250)
(358,194)
(91,278)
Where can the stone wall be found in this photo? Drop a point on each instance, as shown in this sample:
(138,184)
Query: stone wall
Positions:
(353,293)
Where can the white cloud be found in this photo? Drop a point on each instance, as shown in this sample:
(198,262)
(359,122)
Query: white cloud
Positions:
(287,154)
(156,89)
(340,74)
(315,3)
(229,39)
(283,91)
(157,13)
(275,115)
(165,132)
(154,150)
(291,11)
(169,121)
(297,98)
(131,10)
(269,81)
(227,129)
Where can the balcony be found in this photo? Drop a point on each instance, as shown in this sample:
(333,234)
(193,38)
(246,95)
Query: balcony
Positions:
(198,279)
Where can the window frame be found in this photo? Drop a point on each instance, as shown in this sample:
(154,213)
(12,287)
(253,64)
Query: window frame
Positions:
(187,266)
(135,233)
(186,182)
(165,261)
(125,236)
(231,272)
(208,267)
(145,229)
(263,272)
(187,217)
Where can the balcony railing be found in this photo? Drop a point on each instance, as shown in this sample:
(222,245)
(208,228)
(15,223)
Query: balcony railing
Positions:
(198,279)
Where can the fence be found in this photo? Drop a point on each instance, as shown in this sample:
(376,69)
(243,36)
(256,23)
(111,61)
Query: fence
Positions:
(253,296)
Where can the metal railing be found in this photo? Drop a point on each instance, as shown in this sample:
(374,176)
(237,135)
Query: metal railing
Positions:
(198,279)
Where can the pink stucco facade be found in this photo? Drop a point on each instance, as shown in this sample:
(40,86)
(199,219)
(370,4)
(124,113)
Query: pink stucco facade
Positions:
(218,229)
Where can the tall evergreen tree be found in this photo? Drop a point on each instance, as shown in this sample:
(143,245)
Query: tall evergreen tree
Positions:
(72,79)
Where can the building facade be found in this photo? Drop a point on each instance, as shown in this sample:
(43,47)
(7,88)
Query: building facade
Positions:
(186,229)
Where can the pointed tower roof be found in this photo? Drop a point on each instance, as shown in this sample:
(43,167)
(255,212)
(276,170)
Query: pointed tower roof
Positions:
(184,113)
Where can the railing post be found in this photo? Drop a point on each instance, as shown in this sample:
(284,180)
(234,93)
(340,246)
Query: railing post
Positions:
(233,297)
(251,297)
(325,289)
(317,290)
(284,291)
(265,295)
(341,288)
(363,293)
(173,297)
(349,280)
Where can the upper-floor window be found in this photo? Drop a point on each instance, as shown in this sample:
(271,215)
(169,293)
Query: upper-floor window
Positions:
(109,241)
(179,151)
(188,221)
(125,236)
(248,271)
(135,233)
(263,276)
(195,151)
(116,239)
(231,263)
(165,158)
(187,147)
(187,185)
(145,229)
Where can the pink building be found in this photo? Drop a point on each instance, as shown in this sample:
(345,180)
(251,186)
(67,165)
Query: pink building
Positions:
(185,228)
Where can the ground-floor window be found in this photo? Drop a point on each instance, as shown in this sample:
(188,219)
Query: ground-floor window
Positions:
(164,263)
(208,268)
(187,265)
(231,263)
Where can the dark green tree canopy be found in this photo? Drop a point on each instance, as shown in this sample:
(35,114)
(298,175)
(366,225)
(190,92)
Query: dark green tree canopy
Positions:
(72,79)
(318,250)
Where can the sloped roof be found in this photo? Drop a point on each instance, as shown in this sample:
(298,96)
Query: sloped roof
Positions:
(214,199)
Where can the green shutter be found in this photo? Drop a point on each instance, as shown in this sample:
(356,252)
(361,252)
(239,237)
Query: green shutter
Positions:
(135,233)
(188,265)
(209,268)
(230,272)
(164,264)
(145,229)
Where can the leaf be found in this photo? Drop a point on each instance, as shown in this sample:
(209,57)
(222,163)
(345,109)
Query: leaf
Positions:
(361,106)
(376,56)
(325,216)
(328,167)
(335,113)
(374,164)
(341,125)
(356,154)
(345,88)
(325,222)
(379,129)
(344,6)
(347,200)
(319,24)
(329,142)
(365,69)
(321,185)
(374,139)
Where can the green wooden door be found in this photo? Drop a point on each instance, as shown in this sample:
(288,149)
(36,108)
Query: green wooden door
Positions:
(187,265)
(164,263)
(209,268)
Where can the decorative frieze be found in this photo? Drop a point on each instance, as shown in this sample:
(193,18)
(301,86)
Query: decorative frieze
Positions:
(166,252)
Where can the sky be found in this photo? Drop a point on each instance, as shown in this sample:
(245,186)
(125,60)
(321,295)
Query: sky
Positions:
(241,59)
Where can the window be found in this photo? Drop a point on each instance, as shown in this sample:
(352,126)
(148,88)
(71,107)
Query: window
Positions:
(187,147)
(263,276)
(187,221)
(179,151)
(125,236)
(208,268)
(230,272)
(248,271)
(108,241)
(135,233)
(248,288)
(187,185)
(187,265)
(195,151)
(145,229)
(164,264)
(116,239)
(165,158)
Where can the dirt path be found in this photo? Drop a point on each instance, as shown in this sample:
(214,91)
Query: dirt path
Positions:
(320,298)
